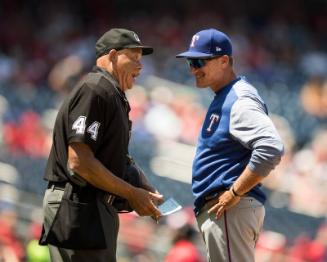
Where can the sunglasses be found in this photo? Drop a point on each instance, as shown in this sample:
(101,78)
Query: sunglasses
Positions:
(199,62)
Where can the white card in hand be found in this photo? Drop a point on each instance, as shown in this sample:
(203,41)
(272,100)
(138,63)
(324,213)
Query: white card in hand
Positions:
(169,206)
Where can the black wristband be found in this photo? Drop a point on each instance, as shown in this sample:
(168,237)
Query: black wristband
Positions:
(234,192)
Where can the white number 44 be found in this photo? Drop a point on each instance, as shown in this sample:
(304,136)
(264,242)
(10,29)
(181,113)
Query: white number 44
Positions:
(79,126)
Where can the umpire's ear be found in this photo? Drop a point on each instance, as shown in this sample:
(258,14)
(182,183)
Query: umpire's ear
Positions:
(112,56)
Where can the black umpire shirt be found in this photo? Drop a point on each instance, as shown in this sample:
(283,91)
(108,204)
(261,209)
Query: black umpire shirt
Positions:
(95,113)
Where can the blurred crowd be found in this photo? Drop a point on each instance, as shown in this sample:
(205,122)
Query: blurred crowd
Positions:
(46,46)
(280,46)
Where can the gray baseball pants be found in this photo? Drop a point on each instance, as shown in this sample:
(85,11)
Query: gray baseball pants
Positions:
(233,237)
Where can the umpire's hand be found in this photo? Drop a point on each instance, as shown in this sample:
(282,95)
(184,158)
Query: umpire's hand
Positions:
(142,202)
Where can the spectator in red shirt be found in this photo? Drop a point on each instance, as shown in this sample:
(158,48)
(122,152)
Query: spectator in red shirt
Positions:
(183,249)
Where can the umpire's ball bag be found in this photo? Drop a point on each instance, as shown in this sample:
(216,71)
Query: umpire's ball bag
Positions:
(77,224)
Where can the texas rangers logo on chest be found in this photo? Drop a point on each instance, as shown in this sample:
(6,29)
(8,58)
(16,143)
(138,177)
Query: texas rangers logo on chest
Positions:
(213,119)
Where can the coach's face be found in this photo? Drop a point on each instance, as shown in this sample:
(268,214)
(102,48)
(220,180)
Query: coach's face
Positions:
(212,72)
(128,66)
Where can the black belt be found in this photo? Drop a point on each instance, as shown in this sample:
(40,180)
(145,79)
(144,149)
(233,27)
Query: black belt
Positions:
(208,198)
(58,185)
(213,195)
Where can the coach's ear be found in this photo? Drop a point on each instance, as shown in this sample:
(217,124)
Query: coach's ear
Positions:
(225,61)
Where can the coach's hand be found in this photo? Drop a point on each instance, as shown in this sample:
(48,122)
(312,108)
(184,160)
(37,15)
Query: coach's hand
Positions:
(224,202)
(142,202)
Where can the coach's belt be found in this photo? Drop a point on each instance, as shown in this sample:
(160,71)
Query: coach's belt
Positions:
(207,200)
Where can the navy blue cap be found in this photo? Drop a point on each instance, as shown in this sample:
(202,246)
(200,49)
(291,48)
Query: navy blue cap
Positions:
(208,43)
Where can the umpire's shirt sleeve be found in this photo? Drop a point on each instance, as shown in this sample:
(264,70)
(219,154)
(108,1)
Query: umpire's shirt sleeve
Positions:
(251,126)
(86,119)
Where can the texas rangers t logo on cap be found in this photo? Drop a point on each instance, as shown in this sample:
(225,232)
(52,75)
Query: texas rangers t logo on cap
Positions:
(194,38)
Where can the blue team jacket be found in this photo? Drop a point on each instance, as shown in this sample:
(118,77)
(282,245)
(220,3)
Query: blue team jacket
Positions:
(236,133)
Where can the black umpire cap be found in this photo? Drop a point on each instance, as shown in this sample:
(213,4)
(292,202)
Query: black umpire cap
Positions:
(119,38)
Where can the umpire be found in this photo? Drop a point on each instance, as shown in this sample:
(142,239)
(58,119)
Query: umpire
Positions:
(88,157)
